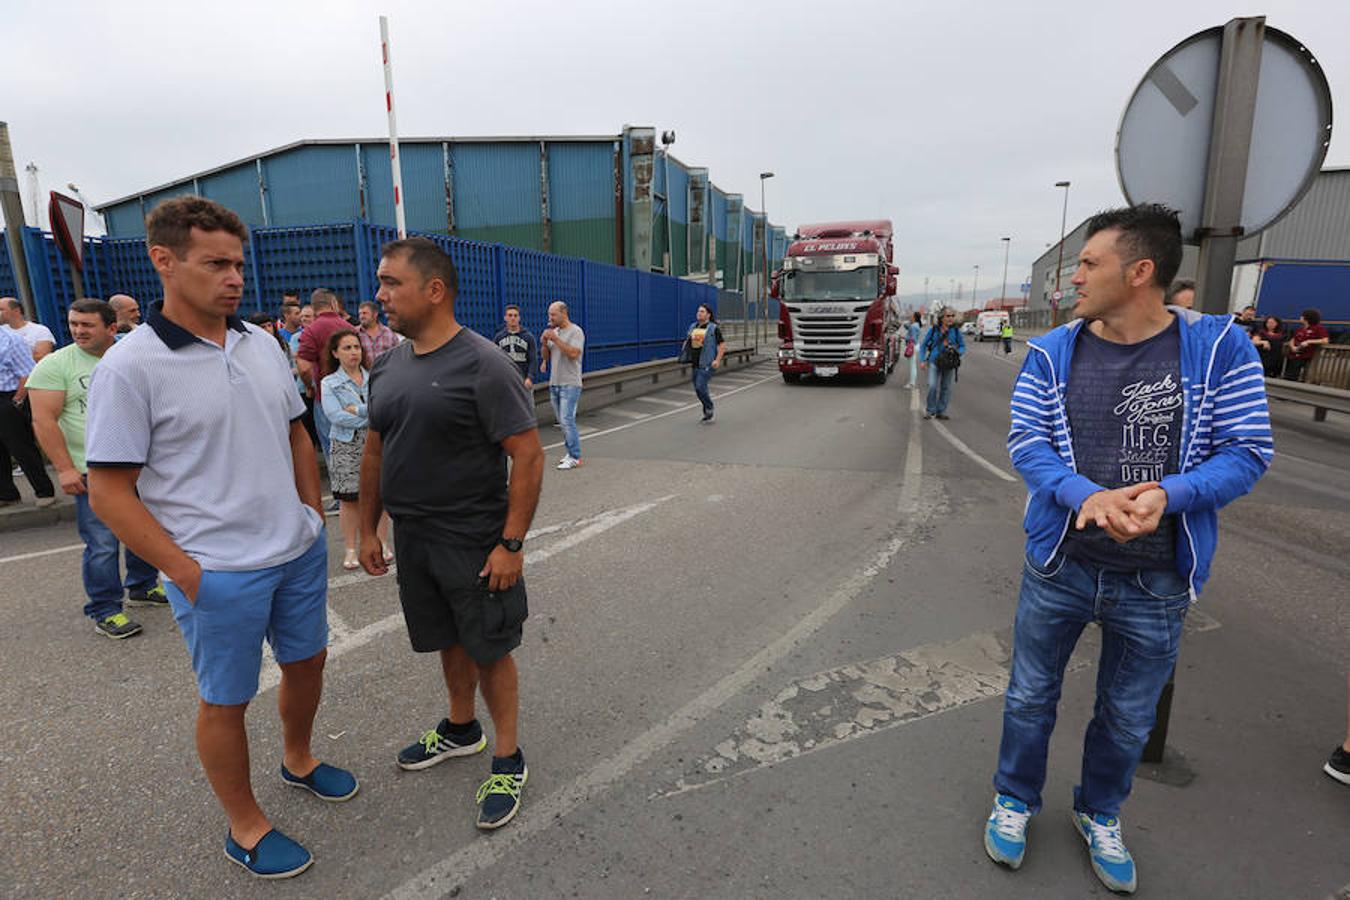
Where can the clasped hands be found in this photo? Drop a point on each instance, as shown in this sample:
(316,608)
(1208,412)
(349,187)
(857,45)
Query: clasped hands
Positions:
(1125,513)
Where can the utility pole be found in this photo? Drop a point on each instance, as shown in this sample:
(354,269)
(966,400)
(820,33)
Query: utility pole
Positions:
(1059,266)
(764,275)
(1007,244)
(11,205)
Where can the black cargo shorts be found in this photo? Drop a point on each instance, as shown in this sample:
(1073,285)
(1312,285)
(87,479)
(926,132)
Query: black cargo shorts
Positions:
(445,602)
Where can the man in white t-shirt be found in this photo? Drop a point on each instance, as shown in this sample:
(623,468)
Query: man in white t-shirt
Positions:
(563,343)
(38,337)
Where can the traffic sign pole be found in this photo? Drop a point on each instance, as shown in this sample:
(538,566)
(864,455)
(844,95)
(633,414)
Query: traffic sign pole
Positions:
(1229,149)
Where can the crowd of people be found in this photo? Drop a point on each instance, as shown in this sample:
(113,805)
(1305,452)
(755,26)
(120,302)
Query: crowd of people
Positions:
(429,432)
(1285,351)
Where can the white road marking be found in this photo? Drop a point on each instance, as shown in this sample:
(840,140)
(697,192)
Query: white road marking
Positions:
(440,879)
(342,640)
(36,553)
(961,445)
(661,400)
(670,412)
(625,413)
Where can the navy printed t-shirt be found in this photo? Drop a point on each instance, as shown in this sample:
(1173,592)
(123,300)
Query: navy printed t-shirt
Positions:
(1125,406)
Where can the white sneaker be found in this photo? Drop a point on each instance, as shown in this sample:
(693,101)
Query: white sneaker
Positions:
(569,463)
(44,502)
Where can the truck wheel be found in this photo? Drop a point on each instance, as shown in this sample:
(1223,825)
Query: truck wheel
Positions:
(880,377)
(792,377)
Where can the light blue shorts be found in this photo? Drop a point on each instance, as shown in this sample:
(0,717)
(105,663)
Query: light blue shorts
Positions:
(235,611)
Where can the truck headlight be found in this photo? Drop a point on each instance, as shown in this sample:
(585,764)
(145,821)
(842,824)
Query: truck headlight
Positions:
(869,354)
(785,353)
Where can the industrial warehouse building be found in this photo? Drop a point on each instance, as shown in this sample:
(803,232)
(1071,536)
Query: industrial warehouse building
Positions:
(618,199)
(1303,260)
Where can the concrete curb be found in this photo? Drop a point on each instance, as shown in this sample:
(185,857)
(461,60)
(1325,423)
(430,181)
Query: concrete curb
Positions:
(24,515)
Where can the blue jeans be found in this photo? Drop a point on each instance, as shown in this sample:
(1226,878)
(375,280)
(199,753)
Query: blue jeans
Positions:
(701,378)
(102,575)
(321,425)
(939,389)
(564,398)
(1140,614)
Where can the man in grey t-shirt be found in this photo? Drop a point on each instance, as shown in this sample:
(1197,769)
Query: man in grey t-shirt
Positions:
(564,342)
(446,409)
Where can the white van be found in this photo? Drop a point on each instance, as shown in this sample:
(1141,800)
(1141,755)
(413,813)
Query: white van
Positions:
(989,324)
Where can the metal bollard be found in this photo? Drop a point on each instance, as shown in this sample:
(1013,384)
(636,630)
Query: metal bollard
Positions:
(1157,739)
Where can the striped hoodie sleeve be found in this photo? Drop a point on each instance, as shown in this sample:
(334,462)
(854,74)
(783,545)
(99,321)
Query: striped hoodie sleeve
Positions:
(1232,445)
(1038,441)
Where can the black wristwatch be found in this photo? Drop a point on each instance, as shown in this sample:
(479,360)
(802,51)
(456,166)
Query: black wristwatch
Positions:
(512,544)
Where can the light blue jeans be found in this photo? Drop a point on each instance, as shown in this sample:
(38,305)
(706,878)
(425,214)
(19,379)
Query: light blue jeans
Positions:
(939,388)
(322,425)
(1140,614)
(564,398)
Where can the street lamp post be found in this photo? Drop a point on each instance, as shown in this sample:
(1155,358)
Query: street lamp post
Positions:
(975,291)
(764,273)
(1007,245)
(1059,266)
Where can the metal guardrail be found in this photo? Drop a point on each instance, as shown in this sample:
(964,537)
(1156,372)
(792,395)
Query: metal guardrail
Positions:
(1322,399)
(605,387)
(1330,367)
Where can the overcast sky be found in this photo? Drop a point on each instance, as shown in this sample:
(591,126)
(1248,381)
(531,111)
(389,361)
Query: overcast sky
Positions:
(952,118)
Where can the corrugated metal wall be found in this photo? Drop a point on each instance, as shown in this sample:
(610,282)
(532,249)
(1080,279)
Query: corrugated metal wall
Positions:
(489,190)
(1317,228)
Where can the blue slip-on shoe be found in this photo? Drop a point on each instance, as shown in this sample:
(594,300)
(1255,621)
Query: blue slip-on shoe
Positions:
(325,782)
(1005,832)
(499,796)
(1106,849)
(275,856)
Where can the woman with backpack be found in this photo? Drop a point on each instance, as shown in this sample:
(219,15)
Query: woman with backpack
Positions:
(943,347)
(912,348)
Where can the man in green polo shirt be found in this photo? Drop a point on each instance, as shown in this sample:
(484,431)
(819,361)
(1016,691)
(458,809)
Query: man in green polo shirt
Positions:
(57,389)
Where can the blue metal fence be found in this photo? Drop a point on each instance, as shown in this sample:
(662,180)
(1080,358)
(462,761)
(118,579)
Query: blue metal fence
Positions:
(629,316)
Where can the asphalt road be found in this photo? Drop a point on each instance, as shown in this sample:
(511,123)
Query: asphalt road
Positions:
(765,659)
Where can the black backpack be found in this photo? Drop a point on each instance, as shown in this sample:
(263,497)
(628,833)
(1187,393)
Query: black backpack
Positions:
(948,357)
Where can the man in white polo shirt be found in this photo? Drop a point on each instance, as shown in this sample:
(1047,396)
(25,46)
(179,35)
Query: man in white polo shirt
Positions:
(197,412)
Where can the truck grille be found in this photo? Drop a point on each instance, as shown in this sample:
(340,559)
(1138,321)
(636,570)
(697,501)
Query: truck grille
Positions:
(831,334)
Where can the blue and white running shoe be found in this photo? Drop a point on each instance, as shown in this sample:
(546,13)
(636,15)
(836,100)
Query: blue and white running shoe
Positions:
(1106,849)
(1005,833)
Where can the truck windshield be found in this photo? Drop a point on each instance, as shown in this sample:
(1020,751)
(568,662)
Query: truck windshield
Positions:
(858,284)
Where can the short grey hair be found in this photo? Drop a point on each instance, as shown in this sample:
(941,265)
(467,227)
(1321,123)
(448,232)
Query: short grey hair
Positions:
(1176,287)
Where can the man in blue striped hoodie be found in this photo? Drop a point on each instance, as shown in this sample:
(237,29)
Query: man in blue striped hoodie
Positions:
(1131,426)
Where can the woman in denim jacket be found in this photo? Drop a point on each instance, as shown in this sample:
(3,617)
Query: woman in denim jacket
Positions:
(346,373)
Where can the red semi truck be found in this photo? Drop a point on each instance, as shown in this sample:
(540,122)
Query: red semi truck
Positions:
(836,309)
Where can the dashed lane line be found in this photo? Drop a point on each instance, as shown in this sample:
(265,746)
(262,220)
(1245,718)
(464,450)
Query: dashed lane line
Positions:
(442,878)
(625,413)
(670,412)
(661,400)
